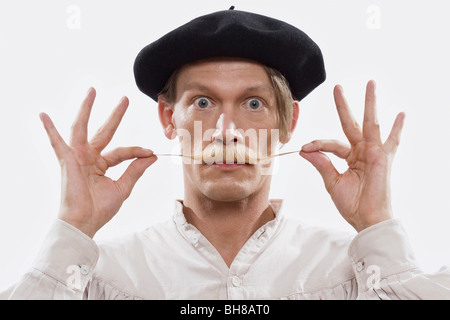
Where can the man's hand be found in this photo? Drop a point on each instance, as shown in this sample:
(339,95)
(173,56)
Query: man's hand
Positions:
(89,199)
(362,193)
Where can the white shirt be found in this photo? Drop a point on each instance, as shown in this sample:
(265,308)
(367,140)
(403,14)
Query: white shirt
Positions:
(284,259)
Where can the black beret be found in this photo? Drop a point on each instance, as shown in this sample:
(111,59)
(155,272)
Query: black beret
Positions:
(233,33)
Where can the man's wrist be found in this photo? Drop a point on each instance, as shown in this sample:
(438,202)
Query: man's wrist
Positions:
(81,226)
(371,220)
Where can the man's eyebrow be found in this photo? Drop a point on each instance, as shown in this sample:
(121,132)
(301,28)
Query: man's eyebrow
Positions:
(259,88)
(202,87)
(196,85)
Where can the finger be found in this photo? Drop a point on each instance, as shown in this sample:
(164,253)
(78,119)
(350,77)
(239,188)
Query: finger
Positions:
(393,140)
(371,128)
(134,171)
(57,142)
(351,128)
(80,125)
(336,147)
(107,131)
(120,155)
(323,164)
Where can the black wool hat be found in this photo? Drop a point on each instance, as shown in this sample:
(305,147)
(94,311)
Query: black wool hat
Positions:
(233,33)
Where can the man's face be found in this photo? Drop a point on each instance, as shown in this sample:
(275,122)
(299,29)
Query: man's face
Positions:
(226,103)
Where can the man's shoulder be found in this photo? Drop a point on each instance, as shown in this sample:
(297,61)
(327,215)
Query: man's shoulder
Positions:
(318,253)
(322,242)
(309,231)
(137,240)
(125,258)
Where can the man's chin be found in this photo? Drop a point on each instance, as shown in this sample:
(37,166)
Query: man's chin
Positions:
(227,190)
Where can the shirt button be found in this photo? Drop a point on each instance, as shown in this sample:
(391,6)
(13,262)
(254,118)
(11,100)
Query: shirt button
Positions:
(235,281)
(359,266)
(84,269)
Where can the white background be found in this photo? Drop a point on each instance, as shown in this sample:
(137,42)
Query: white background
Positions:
(52,51)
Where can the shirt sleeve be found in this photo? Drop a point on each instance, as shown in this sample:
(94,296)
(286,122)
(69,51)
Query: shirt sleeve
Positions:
(385,267)
(62,268)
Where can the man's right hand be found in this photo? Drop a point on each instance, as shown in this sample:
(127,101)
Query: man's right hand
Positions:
(89,199)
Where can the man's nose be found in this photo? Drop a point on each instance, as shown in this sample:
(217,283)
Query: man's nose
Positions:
(226,131)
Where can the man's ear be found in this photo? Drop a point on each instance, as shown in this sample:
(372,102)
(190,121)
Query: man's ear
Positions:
(295,114)
(165,112)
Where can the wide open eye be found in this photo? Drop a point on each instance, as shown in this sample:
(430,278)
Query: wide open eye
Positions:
(202,102)
(254,104)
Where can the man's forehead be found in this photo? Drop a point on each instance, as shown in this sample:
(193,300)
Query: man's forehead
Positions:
(198,84)
(202,75)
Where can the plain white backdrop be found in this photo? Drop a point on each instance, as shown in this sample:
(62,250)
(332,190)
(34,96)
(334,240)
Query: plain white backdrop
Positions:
(52,51)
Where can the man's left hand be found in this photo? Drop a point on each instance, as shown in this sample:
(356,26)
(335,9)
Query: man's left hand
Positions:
(362,192)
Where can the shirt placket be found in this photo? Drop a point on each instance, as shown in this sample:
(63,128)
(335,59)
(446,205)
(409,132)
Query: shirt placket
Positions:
(233,278)
(237,287)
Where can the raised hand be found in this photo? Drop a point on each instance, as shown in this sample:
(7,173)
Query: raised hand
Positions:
(362,193)
(89,199)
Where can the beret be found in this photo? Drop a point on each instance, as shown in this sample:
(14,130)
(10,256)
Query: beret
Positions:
(233,33)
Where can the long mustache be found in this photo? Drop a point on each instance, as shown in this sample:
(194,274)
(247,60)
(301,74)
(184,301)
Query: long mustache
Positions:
(227,154)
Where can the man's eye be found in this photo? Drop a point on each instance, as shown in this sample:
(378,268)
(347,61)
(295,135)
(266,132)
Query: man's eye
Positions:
(254,104)
(202,102)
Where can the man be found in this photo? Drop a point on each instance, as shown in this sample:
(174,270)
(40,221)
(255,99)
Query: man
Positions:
(241,77)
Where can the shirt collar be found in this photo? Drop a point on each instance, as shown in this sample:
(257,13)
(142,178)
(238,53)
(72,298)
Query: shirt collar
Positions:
(180,219)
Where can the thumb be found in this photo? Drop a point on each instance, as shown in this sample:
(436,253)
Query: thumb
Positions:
(132,174)
(324,165)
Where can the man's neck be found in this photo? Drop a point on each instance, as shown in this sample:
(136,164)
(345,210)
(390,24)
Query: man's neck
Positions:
(228,225)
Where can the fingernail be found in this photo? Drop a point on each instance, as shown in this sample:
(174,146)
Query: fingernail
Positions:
(308,146)
(148,151)
(89,91)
